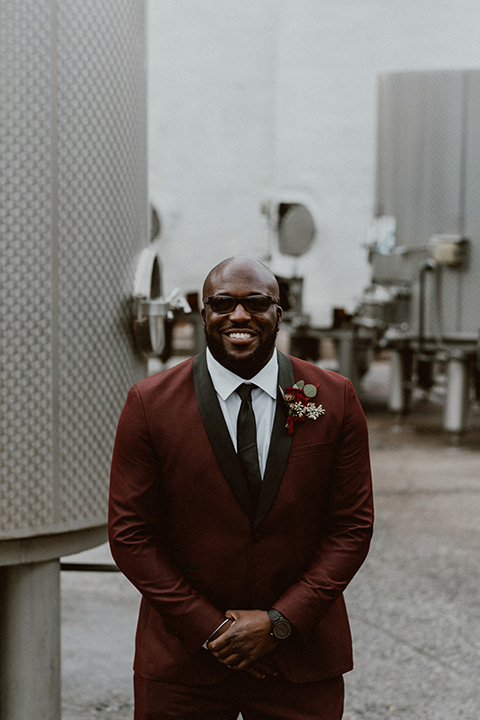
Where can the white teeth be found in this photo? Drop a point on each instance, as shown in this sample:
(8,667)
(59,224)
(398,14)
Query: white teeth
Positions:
(239,336)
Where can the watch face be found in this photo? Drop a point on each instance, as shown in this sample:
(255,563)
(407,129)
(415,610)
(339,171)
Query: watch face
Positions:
(282,629)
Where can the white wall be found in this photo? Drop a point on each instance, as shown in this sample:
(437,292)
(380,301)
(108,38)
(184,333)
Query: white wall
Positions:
(212,79)
(279,97)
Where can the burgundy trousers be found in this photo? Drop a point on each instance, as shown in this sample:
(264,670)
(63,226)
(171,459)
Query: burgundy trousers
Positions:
(267,699)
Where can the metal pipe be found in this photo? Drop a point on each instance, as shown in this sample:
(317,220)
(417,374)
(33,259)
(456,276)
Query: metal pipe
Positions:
(428,266)
(30,641)
(457,400)
(400,380)
(88,567)
(425,359)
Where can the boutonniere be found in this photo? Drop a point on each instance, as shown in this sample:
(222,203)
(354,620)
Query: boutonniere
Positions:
(300,407)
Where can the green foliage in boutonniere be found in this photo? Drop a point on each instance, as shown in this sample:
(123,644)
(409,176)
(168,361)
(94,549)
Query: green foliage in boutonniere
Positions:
(300,407)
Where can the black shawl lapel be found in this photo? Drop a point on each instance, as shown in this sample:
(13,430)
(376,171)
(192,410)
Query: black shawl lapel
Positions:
(219,436)
(217,432)
(280,443)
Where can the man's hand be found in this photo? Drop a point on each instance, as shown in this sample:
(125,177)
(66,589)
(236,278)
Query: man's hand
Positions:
(243,643)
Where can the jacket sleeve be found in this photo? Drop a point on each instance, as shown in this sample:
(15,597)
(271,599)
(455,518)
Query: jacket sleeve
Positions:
(344,546)
(135,532)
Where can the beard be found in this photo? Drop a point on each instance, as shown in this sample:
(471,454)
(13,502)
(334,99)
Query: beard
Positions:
(248,366)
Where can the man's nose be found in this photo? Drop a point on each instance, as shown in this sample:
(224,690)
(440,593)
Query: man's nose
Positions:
(239,314)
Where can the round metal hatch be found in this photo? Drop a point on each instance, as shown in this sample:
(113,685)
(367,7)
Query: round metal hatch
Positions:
(296,229)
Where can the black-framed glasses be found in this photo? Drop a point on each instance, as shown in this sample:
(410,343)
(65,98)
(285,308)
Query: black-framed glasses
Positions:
(254,304)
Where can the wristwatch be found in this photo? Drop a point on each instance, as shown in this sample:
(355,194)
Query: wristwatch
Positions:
(281,628)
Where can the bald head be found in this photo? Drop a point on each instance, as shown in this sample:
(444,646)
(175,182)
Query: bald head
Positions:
(241,270)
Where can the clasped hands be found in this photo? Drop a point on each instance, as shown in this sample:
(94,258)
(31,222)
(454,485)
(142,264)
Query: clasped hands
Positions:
(245,642)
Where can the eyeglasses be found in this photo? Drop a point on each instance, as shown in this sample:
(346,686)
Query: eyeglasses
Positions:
(254,304)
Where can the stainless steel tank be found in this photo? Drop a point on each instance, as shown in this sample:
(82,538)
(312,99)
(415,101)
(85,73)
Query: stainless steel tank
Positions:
(425,250)
(73,219)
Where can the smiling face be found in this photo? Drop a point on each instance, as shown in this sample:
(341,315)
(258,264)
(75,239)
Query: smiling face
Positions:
(241,341)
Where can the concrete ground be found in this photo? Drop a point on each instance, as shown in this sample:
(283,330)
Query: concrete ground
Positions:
(414,606)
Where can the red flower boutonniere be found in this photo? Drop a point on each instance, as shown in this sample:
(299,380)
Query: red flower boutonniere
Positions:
(300,407)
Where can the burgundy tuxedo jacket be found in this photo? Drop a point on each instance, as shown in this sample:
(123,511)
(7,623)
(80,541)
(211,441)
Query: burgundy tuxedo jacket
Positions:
(182,531)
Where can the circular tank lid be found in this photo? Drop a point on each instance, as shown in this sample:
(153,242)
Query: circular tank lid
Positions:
(296,229)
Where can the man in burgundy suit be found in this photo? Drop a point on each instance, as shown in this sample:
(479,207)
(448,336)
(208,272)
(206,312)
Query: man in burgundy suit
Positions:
(241,508)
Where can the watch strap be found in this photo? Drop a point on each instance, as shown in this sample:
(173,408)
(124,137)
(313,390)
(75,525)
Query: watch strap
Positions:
(274,616)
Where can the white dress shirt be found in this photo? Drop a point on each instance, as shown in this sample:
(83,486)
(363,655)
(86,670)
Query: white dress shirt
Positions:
(264,398)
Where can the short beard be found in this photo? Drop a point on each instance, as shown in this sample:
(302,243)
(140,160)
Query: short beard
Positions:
(243,367)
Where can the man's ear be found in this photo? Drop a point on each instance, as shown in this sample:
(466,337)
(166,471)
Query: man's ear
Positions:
(203,316)
(279,316)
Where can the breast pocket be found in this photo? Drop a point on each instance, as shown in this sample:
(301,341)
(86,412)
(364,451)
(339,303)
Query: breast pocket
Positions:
(313,451)
(307,479)
(312,465)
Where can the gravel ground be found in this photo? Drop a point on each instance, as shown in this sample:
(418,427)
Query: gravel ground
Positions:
(414,606)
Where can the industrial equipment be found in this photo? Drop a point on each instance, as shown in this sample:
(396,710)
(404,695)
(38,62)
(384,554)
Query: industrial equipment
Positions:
(423,304)
(74,223)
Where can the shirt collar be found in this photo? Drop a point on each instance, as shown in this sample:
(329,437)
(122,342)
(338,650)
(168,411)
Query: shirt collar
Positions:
(226,382)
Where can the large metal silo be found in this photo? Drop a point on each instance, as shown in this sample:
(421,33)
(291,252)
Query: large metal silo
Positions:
(73,219)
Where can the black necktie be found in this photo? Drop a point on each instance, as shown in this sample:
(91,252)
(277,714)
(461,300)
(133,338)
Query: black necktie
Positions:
(247,443)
